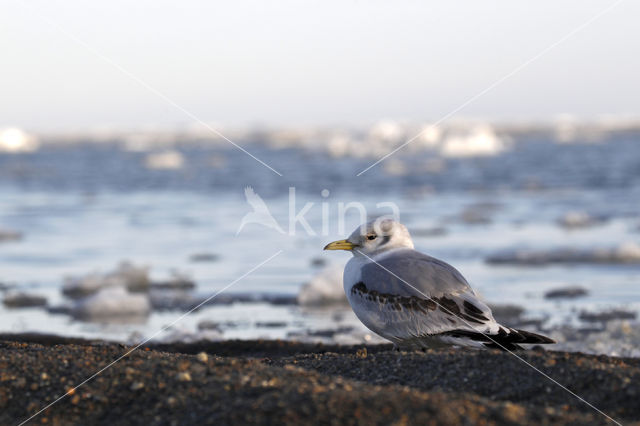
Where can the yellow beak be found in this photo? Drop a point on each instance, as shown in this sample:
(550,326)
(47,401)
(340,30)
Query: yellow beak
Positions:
(340,245)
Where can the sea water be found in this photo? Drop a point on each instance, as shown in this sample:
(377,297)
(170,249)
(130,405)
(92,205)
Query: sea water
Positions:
(87,206)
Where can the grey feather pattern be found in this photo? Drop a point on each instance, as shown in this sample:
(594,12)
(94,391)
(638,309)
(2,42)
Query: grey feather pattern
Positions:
(409,295)
(430,277)
(416,300)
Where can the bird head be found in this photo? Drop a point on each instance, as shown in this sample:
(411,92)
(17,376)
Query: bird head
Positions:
(375,237)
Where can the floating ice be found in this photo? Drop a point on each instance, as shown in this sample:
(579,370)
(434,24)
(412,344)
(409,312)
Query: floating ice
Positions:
(466,140)
(429,137)
(148,140)
(325,288)
(177,281)
(132,277)
(112,304)
(615,338)
(182,335)
(395,167)
(565,129)
(339,145)
(165,160)
(76,287)
(23,300)
(13,140)
(480,141)
(571,292)
(606,316)
(387,131)
(628,252)
(578,219)
(208,325)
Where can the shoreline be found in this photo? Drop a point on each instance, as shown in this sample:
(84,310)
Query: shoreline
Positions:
(272,381)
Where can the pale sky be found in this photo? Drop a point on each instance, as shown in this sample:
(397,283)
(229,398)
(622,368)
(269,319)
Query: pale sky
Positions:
(311,62)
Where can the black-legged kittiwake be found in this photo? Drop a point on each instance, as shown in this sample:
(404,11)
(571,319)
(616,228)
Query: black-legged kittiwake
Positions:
(415,300)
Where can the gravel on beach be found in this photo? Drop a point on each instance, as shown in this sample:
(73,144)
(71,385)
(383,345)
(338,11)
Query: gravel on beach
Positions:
(280,382)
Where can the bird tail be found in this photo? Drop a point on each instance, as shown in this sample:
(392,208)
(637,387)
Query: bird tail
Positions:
(507,339)
(511,338)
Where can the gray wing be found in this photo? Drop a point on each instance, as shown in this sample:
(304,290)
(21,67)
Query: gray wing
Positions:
(411,273)
(407,294)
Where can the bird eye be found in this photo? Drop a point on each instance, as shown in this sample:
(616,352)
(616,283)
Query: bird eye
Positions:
(371,237)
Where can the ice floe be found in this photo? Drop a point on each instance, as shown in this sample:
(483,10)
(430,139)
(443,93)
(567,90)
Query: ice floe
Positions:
(571,292)
(165,160)
(628,252)
(177,281)
(325,288)
(579,219)
(479,141)
(607,315)
(23,300)
(395,167)
(184,335)
(615,338)
(134,278)
(14,140)
(112,304)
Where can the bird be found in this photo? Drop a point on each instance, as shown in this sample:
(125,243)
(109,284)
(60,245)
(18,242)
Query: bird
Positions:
(414,300)
(260,213)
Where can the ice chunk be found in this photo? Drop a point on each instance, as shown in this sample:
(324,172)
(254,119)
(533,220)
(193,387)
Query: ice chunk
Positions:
(571,292)
(24,300)
(135,278)
(182,335)
(13,140)
(177,281)
(165,160)
(480,141)
(112,304)
(325,288)
(628,252)
(578,219)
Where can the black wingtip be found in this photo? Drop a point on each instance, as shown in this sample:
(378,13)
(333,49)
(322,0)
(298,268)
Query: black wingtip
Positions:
(530,337)
(507,339)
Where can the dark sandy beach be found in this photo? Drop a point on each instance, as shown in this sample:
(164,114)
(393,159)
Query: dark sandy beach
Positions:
(276,382)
